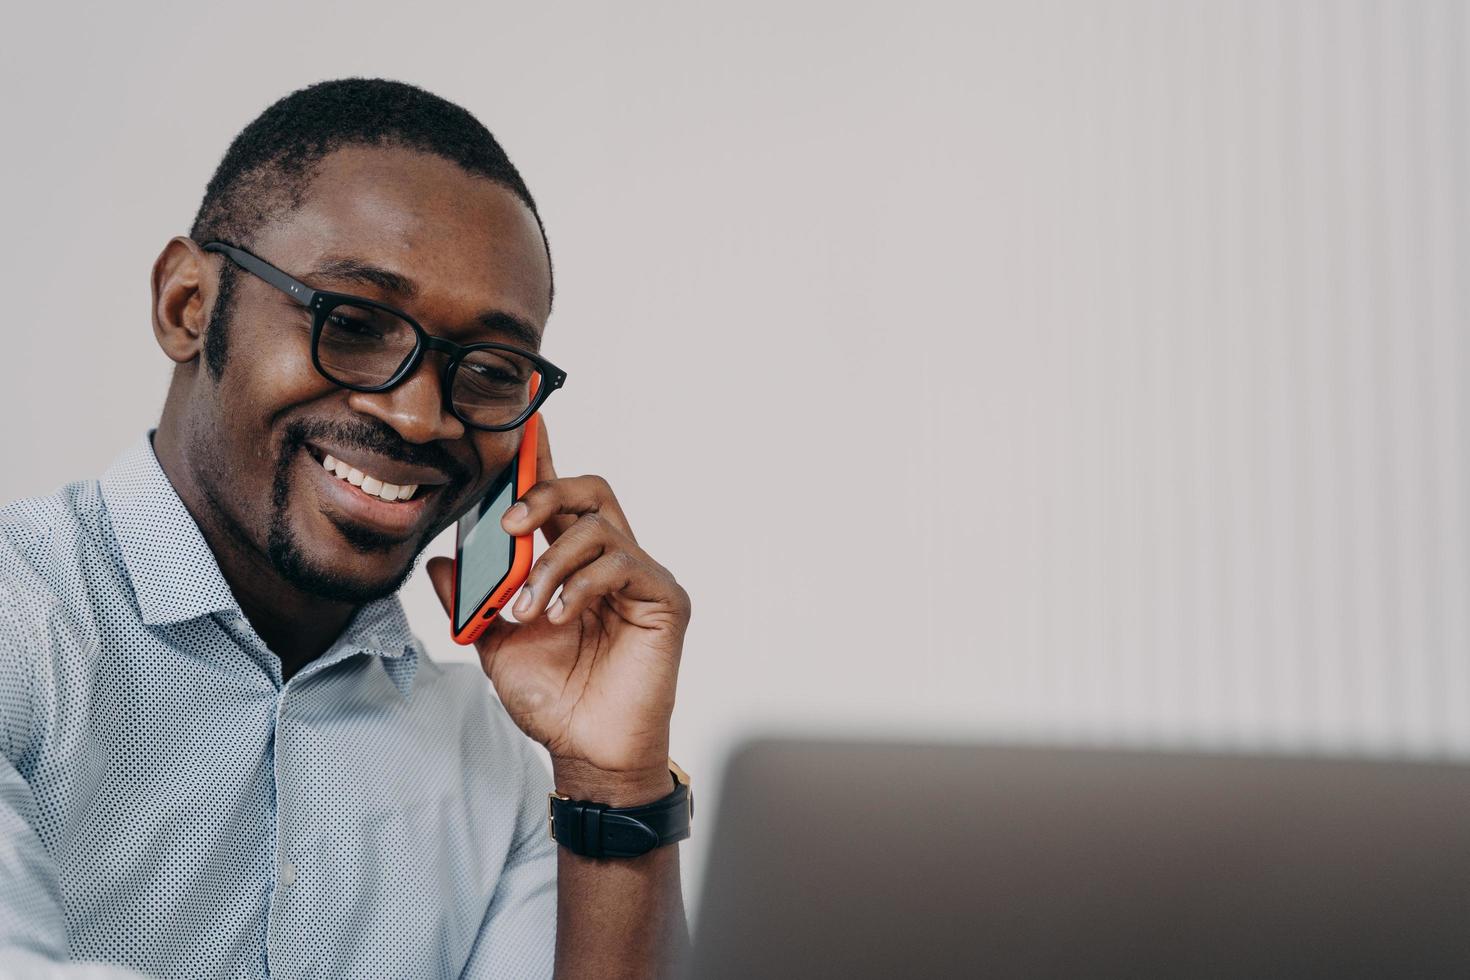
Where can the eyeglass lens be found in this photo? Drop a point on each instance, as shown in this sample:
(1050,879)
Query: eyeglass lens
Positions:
(365,347)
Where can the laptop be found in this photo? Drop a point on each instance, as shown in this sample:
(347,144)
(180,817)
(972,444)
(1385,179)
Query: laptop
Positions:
(869,859)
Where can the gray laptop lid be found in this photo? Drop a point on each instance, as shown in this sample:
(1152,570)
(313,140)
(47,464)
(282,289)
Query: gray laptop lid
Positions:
(841,859)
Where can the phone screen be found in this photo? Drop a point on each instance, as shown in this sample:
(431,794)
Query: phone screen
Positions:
(485,551)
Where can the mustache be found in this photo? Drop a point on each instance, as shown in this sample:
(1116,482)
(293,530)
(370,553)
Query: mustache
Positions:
(373,436)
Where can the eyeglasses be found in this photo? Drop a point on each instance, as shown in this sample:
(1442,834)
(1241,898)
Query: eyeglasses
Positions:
(365,345)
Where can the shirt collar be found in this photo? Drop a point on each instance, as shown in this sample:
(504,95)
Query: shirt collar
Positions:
(174,574)
(379,628)
(176,577)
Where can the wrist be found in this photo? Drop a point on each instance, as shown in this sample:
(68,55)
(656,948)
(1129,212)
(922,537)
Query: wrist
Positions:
(580,780)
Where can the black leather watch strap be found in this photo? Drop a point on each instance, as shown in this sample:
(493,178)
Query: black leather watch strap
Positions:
(598,830)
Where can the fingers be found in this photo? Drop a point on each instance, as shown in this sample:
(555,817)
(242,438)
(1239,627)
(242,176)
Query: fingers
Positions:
(553,503)
(643,591)
(594,558)
(593,552)
(555,507)
(588,537)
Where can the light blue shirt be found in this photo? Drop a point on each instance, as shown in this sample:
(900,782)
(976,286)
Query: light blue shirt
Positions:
(168,803)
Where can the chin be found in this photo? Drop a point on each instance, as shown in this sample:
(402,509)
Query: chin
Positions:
(340,578)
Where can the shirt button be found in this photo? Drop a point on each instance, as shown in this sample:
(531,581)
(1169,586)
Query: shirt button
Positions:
(288,874)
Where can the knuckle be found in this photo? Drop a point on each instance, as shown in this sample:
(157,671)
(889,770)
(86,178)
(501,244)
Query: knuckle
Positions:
(662,572)
(680,599)
(578,585)
(544,569)
(533,496)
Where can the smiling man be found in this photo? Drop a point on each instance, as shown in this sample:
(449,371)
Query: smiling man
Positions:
(222,751)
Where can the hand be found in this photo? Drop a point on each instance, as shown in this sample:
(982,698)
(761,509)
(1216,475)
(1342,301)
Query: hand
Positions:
(591,678)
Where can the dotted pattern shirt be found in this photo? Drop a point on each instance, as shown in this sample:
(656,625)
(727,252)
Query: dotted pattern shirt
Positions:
(169,805)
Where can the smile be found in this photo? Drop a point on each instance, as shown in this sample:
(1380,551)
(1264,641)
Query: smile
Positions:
(367,483)
(347,492)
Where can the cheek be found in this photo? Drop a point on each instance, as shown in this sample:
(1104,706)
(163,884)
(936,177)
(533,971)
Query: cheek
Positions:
(269,373)
(496,451)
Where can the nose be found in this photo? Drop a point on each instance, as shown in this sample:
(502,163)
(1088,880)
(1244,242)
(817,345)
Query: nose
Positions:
(415,406)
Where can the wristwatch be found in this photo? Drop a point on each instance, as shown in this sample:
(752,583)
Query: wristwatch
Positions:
(598,830)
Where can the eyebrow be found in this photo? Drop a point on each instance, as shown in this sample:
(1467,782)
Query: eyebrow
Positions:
(354,270)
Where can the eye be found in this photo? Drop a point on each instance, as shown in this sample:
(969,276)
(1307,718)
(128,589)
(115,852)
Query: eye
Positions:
(487,372)
(356,326)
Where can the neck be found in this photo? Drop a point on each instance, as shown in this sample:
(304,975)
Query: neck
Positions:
(296,626)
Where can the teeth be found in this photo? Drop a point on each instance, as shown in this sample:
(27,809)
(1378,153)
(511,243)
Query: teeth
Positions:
(369,484)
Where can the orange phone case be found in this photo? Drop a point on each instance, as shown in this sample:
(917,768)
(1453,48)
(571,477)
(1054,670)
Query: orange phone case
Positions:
(520,565)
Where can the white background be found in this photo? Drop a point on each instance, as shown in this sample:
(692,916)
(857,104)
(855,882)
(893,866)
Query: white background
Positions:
(1062,371)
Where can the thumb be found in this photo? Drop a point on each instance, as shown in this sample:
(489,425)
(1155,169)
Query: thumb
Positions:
(441,574)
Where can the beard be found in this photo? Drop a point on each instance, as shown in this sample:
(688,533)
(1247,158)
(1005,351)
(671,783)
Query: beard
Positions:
(288,557)
(292,563)
(283,547)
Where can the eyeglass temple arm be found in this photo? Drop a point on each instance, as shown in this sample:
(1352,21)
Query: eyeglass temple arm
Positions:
(298,291)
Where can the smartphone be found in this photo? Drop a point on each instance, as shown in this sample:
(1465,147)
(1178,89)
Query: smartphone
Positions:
(490,564)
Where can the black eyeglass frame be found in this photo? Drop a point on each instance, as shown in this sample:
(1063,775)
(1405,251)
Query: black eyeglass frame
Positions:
(321,302)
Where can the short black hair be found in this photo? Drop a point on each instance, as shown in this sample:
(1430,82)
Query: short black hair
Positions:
(269,166)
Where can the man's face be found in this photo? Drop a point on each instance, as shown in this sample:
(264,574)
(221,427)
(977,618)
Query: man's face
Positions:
(470,249)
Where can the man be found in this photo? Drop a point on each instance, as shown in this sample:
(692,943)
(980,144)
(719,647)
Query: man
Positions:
(224,753)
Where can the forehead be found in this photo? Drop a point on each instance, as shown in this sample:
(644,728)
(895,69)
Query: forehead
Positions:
(465,241)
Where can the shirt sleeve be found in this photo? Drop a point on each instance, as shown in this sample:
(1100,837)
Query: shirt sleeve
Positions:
(32,924)
(517,939)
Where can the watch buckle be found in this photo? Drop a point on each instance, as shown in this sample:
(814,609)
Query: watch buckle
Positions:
(551,799)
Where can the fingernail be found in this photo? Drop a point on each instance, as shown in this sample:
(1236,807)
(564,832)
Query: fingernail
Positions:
(523,604)
(516,513)
(556,609)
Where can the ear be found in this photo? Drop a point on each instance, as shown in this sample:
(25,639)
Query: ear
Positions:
(183,295)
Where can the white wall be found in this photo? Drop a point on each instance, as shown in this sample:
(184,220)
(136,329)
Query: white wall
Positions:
(1086,371)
